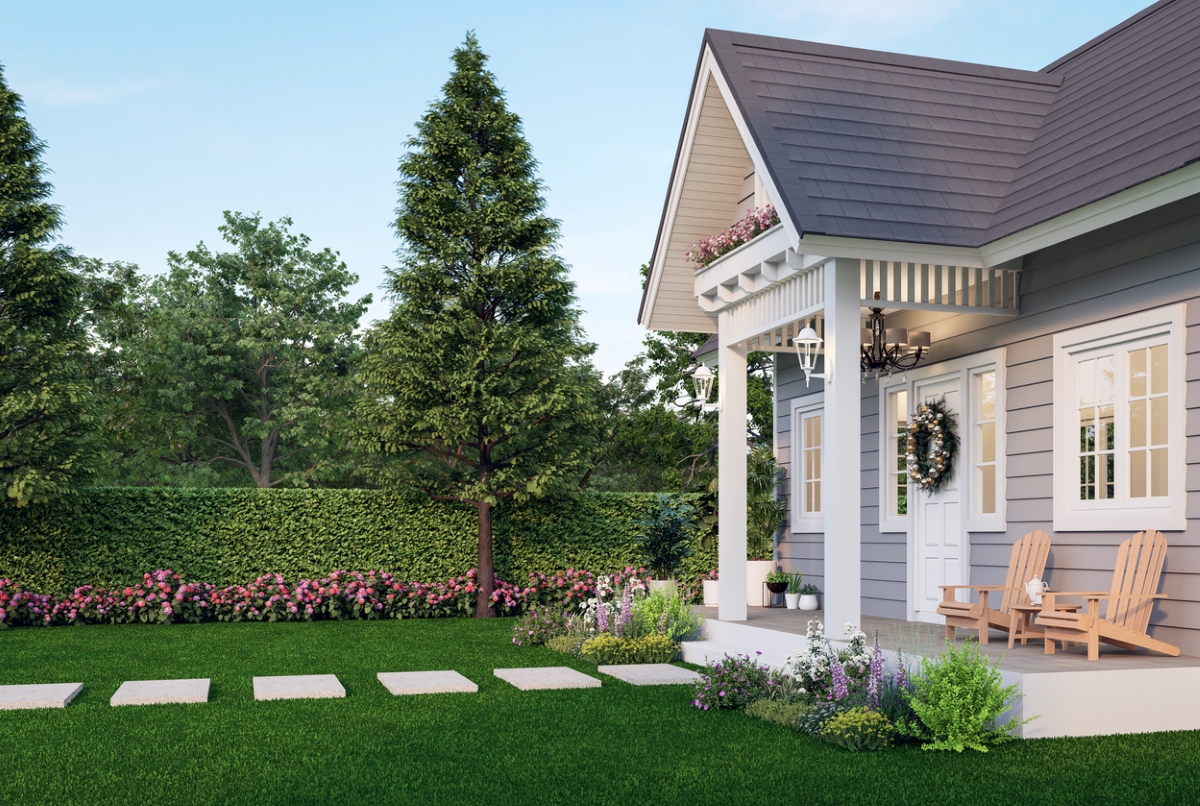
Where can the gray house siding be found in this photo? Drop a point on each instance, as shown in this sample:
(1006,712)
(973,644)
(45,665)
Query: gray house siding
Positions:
(1140,264)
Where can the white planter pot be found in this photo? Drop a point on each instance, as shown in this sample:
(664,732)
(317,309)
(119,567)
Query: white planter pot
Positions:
(669,587)
(792,599)
(756,575)
(711,586)
(809,602)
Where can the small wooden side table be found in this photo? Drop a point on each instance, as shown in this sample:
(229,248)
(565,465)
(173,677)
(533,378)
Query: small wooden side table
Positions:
(1021,625)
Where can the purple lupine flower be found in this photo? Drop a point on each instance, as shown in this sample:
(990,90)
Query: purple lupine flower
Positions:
(901,678)
(662,623)
(875,683)
(841,688)
(601,617)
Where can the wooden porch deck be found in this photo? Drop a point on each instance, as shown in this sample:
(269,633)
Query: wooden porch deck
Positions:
(919,638)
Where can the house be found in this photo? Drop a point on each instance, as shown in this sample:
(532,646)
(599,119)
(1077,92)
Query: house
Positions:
(1043,228)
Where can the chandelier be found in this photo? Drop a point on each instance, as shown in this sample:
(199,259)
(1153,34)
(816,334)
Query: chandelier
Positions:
(890,349)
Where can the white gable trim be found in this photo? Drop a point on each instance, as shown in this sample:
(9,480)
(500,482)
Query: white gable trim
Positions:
(709,69)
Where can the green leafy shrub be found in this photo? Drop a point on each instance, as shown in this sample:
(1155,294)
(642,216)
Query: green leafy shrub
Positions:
(858,729)
(666,615)
(567,644)
(228,536)
(957,699)
(666,535)
(781,713)
(607,649)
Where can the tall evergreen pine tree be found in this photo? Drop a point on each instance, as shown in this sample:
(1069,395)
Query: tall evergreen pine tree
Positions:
(46,404)
(478,381)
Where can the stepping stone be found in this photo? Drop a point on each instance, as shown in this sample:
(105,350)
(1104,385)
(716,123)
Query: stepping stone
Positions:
(298,687)
(47,695)
(547,677)
(426,682)
(651,674)
(161,692)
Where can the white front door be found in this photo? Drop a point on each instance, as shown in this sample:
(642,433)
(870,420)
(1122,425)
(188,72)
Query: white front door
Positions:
(939,542)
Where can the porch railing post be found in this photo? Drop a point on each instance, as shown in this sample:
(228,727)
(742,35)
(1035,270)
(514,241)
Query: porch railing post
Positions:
(842,449)
(731,493)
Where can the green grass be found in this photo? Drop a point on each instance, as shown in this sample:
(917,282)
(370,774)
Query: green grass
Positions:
(617,744)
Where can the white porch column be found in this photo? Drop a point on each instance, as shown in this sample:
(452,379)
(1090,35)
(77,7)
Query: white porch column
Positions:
(842,449)
(731,472)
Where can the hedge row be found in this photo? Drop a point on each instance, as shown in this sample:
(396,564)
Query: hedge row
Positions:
(232,536)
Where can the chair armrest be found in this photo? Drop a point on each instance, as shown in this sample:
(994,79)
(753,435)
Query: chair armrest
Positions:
(977,587)
(1108,595)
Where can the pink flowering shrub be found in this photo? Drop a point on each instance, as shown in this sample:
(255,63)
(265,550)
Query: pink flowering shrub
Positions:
(754,223)
(162,597)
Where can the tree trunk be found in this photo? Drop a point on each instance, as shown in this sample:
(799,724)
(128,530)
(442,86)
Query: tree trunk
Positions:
(485,568)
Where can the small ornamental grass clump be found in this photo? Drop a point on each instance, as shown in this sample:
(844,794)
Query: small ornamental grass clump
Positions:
(777,711)
(733,682)
(957,699)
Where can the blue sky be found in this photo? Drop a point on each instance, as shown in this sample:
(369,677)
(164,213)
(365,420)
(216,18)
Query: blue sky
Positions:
(158,116)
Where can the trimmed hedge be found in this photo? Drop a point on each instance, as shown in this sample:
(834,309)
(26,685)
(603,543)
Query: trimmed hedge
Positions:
(232,536)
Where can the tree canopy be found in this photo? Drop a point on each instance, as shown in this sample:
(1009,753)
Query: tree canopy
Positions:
(242,359)
(47,408)
(478,386)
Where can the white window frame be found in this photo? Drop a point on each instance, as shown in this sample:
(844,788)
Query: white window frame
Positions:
(1168,324)
(803,523)
(888,521)
(967,367)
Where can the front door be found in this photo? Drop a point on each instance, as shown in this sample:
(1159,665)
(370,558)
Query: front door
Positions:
(939,541)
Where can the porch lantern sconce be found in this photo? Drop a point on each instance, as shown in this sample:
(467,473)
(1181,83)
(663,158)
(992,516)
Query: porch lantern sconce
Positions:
(703,379)
(807,342)
(890,349)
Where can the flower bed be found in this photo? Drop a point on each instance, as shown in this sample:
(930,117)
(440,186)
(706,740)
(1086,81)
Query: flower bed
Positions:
(163,597)
(754,223)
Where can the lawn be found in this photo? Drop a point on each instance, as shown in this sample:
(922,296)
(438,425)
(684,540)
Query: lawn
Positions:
(617,744)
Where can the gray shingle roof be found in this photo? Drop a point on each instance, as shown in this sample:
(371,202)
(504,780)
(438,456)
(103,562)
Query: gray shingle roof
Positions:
(866,144)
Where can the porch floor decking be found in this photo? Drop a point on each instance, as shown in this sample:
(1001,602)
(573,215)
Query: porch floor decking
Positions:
(920,638)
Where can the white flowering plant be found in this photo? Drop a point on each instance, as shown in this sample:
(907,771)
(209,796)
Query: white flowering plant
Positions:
(817,667)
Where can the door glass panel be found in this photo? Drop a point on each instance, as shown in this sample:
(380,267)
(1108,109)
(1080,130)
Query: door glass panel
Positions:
(988,442)
(1137,423)
(987,396)
(1158,421)
(1137,373)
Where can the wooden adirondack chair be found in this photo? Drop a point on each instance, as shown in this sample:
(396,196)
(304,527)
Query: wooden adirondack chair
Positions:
(1135,580)
(1028,561)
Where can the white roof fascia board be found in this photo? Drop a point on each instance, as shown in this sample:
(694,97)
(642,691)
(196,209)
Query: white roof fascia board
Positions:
(760,166)
(1158,192)
(685,156)
(900,251)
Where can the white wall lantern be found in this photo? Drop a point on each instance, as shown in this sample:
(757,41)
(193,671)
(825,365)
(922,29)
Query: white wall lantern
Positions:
(703,379)
(807,342)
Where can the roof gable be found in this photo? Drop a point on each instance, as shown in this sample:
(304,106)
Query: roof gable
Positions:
(864,144)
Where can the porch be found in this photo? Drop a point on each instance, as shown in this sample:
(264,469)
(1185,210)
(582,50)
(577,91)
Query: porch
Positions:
(1122,692)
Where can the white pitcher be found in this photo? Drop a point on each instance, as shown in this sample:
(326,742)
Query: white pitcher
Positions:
(1035,588)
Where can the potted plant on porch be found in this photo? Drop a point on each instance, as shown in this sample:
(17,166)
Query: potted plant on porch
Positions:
(777,582)
(665,540)
(808,597)
(765,513)
(795,582)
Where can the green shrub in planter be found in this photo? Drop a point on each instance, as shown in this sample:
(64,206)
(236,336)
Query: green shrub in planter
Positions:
(859,729)
(781,713)
(608,649)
